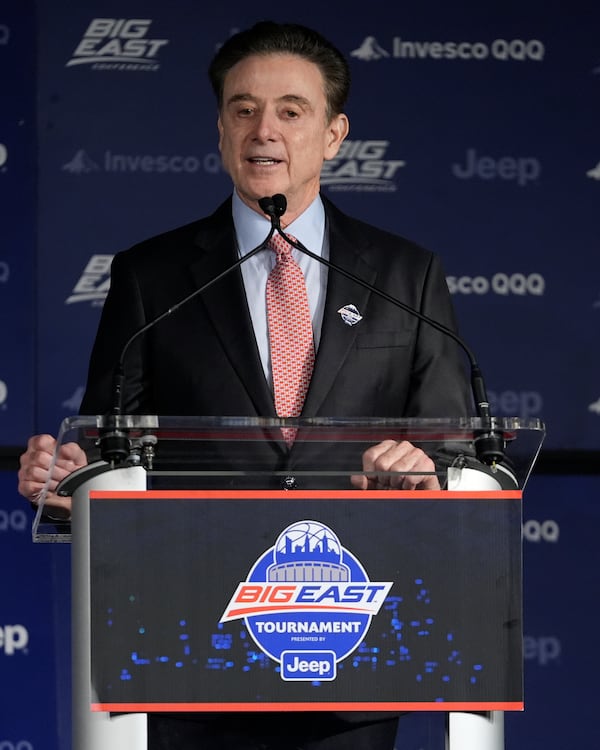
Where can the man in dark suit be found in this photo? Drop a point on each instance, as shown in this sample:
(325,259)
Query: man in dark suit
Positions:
(281,92)
(204,358)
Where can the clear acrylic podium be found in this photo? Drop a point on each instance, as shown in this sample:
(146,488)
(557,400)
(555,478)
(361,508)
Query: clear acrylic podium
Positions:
(216,569)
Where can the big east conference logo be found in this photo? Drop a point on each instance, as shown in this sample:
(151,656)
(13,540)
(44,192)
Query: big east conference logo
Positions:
(307,602)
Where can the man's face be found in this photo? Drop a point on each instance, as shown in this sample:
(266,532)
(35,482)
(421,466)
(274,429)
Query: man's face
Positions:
(273,129)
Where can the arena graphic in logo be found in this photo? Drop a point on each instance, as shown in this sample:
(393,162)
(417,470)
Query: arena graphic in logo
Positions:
(360,166)
(118,44)
(307,602)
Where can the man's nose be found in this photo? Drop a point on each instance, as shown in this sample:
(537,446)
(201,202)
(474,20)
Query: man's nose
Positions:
(266,126)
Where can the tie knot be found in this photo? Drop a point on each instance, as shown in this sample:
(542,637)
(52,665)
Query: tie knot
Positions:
(281,247)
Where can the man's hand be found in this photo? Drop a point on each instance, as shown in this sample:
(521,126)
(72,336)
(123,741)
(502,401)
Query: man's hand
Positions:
(396,457)
(35,467)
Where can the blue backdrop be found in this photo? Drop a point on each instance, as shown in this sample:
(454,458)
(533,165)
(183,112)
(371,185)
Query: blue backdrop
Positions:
(474,131)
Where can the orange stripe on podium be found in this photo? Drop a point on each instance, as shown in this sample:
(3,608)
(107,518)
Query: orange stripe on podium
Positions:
(258,707)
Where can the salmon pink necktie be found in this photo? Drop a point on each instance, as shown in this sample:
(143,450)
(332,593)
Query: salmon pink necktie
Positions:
(290,333)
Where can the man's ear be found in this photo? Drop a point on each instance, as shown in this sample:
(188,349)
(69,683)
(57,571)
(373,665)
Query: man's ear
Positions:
(338,129)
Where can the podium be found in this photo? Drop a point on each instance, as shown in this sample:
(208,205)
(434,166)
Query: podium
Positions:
(216,569)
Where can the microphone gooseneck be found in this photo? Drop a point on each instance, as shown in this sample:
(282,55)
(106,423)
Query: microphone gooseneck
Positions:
(114,435)
(120,371)
(489,442)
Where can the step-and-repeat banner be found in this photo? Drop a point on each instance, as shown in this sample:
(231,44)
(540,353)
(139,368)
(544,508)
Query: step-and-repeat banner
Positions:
(18,175)
(474,132)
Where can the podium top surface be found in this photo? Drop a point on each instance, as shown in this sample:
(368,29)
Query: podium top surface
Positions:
(322,429)
(252,453)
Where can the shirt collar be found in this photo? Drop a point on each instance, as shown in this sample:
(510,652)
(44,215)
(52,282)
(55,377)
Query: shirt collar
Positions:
(251,228)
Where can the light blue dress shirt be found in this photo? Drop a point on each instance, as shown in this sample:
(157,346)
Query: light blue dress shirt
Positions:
(251,229)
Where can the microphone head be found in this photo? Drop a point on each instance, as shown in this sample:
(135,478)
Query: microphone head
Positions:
(267,206)
(273,206)
(280,203)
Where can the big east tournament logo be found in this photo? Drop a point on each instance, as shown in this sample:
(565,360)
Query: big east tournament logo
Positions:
(307,602)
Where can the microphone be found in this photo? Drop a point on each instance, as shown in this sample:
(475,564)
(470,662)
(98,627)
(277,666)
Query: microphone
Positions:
(489,442)
(113,440)
(274,207)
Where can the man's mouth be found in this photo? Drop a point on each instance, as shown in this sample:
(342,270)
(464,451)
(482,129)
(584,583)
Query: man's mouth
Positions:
(263,160)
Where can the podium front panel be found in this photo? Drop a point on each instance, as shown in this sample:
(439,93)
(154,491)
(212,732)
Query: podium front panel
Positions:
(296,600)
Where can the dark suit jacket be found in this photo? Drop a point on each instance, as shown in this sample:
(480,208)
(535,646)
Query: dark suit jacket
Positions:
(203,360)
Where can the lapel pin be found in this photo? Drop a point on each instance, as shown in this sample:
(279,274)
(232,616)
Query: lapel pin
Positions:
(350,315)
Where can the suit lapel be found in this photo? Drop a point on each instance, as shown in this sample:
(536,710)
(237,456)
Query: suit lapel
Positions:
(337,337)
(226,306)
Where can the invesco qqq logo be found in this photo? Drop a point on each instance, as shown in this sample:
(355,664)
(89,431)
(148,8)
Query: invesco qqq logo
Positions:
(499,283)
(307,602)
(541,531)
(13,520)
(498,49)
(81,163)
